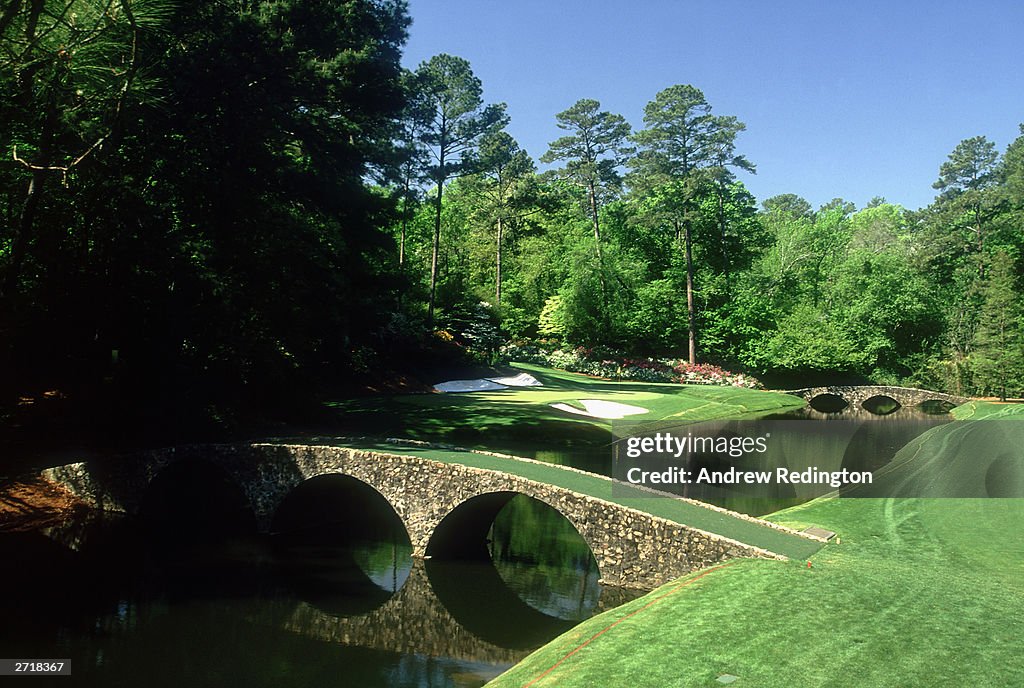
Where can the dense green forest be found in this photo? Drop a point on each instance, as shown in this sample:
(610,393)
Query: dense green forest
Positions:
(223,203)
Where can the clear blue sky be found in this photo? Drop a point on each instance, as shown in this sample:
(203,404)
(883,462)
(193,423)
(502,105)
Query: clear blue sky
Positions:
(840,98)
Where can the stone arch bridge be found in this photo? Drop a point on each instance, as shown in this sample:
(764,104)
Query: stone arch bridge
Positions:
(856,395)
(446,508)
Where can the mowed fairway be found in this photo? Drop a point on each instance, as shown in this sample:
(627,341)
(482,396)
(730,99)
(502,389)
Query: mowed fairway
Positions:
(920,592)
(492,419)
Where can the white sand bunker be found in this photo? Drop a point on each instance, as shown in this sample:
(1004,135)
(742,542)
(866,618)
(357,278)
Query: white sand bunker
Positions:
(480,385)
(595,408)
(488,384)
(520,380)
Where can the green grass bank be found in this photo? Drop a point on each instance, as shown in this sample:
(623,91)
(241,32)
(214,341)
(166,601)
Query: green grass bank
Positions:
(919,592)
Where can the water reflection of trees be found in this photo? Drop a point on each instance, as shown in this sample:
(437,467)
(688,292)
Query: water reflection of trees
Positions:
(541,556)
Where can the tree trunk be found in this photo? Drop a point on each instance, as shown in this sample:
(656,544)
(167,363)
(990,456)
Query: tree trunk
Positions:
(600,255)
(442,151)
(405,223)
(689,294)
(497,264)
(434,254)
(597,223)
(721,229)
(981,240)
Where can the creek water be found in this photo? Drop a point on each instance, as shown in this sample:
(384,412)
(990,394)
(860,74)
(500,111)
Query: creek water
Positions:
(130,604)
(199,603)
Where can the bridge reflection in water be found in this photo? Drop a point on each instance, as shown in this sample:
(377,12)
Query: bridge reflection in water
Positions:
(525,578)
(303,594)
(464,612)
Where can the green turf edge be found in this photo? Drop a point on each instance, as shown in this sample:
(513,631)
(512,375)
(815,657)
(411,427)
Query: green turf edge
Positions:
(904,599)
(976,410)
(922,592)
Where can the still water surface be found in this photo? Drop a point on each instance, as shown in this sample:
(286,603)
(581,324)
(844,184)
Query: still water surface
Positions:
(131,603)
(124,601)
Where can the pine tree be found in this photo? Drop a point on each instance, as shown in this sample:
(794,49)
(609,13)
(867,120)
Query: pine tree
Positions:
(593,152)
(453,95)
(998,357)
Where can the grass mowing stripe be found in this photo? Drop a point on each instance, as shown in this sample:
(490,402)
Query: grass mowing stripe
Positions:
(920,592)
(615,623)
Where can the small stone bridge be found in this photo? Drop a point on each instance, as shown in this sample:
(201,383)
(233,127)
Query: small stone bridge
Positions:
(446,508)
(856,395)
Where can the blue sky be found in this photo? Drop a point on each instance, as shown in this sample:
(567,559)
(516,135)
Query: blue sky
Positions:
(850,99)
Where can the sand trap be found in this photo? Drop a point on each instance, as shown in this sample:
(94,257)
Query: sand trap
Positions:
(596,408)
(468,386)
(520,380)
(488,384)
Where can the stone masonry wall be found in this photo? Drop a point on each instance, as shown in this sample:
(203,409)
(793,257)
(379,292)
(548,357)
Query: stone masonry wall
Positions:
(855,395)
(632,548)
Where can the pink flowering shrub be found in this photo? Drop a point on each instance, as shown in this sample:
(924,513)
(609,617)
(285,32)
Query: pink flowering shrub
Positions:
(609,364)
(707,374)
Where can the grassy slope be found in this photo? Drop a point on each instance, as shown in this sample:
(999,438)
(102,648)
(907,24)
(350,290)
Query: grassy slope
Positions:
(921,592)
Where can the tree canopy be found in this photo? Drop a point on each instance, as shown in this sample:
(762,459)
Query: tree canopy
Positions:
(239,201)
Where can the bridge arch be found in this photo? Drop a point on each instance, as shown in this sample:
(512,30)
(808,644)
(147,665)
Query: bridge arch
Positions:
(936,406)
(339,528)
(352,508)
(462,532)
(195,498)
(880,405)
(826,402)
(477,531)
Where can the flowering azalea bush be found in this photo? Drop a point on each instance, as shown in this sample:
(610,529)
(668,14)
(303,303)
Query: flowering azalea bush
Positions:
(641,369)
(612,365)
(524,353)
(707,374)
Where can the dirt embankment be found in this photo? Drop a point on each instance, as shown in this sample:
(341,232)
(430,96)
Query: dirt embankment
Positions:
(31,503)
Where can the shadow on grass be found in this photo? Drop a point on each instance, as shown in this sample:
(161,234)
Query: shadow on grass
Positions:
(465,420)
